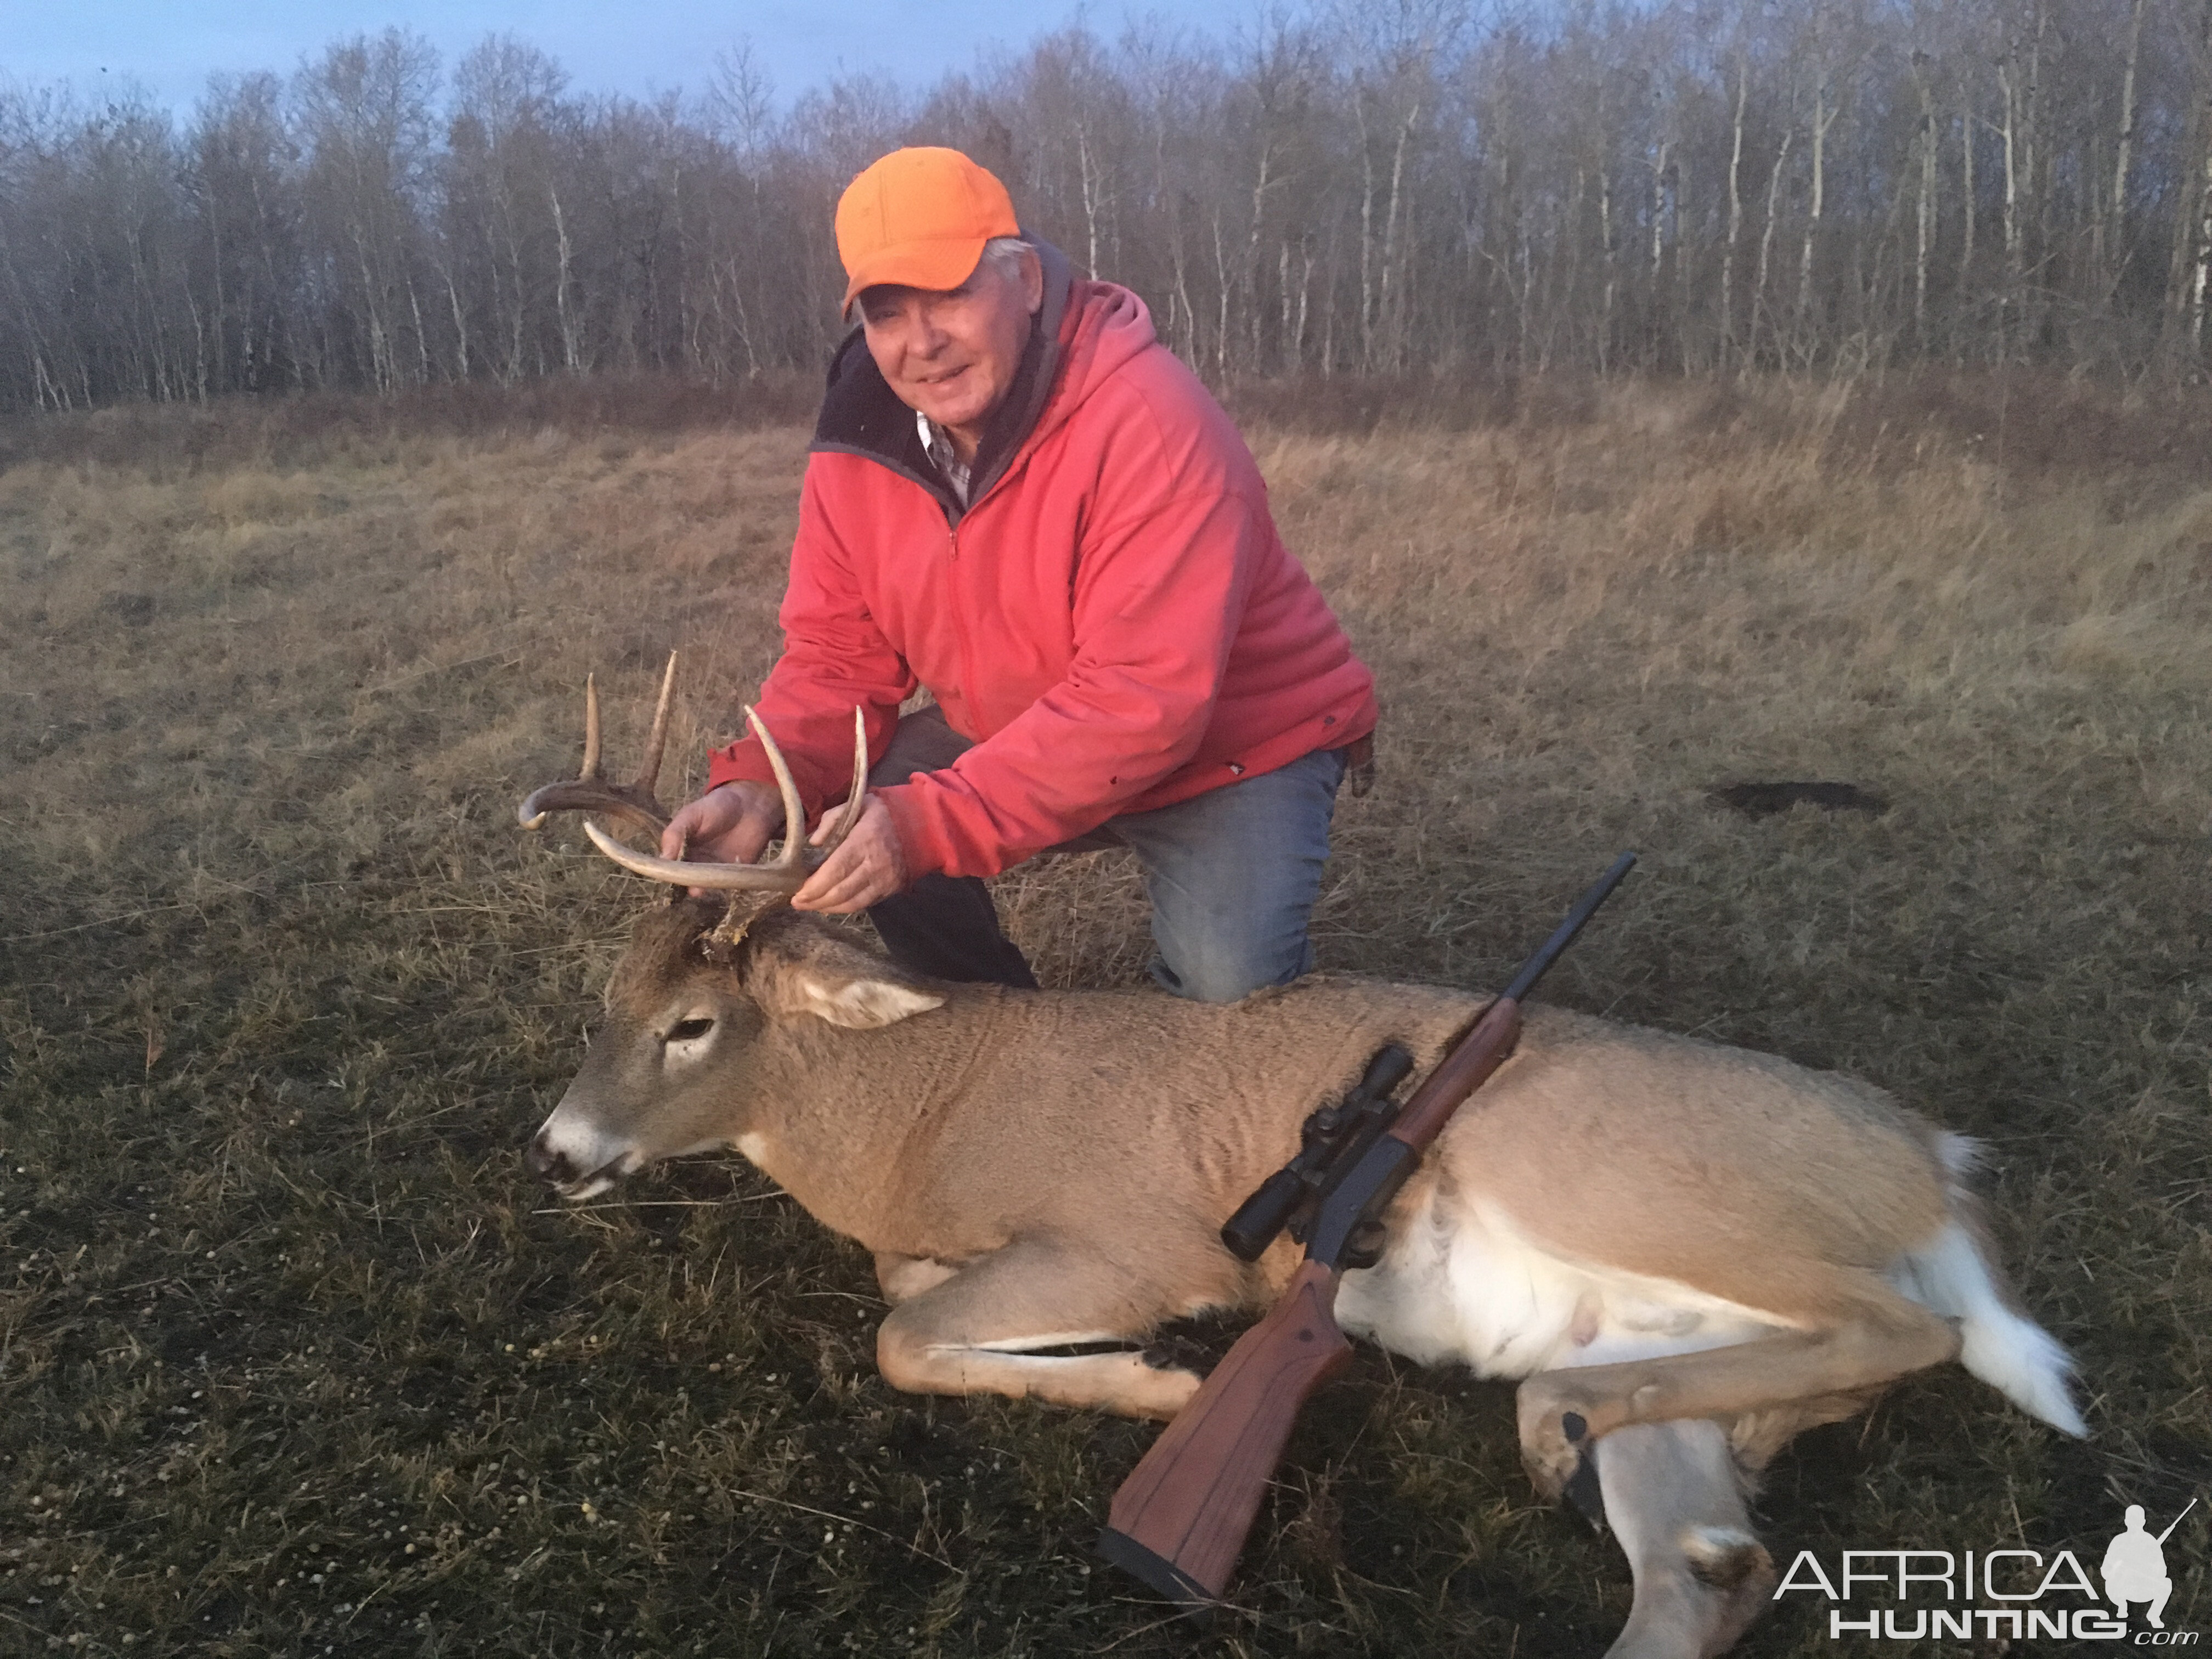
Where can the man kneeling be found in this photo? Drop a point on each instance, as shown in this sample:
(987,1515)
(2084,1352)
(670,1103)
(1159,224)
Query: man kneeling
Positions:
(1018,497)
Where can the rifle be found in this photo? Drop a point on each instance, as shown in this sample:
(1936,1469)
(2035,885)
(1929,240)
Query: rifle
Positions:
(1179,1522)
(2177,1520)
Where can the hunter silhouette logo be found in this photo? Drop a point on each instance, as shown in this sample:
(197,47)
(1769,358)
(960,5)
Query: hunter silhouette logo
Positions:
(2134,1566)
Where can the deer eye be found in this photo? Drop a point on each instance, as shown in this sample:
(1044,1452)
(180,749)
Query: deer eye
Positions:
(685,1029)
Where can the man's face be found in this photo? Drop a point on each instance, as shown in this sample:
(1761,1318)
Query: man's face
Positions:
(952,353)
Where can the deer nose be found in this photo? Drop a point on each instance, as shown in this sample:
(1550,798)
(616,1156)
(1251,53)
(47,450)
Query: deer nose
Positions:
(550,1166)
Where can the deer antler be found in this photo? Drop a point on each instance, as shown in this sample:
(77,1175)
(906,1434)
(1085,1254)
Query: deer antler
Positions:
(589,790)
(788,871)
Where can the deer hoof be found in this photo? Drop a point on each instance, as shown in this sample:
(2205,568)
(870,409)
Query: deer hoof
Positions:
(1555,1441)
(1727,1559)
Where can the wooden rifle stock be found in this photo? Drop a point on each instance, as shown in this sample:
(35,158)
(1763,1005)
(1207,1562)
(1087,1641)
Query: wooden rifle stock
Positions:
(1179,1522)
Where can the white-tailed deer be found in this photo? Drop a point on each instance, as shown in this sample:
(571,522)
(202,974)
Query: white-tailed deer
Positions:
(1699,1249)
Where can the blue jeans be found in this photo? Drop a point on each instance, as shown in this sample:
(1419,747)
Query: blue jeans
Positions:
(1232,875)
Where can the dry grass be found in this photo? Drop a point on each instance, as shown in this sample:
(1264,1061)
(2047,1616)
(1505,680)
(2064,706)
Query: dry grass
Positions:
(292,1358)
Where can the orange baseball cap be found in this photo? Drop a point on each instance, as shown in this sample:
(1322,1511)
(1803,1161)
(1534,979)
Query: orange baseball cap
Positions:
(920,217)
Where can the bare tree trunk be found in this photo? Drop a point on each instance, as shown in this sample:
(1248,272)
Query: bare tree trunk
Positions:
(2123,149)
(1967,199)
(1682,265)
(2201,283)
(1766,246)
(1328,316)
(2033,171)
(1823,117)
(2200,215)
(1183,293)
(1366,236)
(1612,277)
(1221,308)
(422,335)
(2007,300)
(1091,186)
(2186,272)
(1260,188)
(379,350)
(1735,209)
(1396,280)
(221,303)
(1924,215)
(1658,233)
(572,358)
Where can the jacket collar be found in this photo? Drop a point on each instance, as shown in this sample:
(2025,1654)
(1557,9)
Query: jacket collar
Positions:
(861,416)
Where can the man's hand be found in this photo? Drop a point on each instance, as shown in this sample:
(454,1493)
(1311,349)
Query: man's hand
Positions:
(733,823)
(728,825)
(870,865)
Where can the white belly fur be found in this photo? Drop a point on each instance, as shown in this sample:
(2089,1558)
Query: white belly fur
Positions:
(1469,1286)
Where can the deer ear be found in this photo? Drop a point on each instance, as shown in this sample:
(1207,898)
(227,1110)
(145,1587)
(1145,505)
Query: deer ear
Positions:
(800,970)
(861,1003)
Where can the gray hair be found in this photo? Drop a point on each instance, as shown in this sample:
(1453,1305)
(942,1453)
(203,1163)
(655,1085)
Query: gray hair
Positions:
(1004,254)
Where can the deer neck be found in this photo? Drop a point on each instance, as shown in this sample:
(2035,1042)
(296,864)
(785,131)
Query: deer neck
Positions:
(844,1117)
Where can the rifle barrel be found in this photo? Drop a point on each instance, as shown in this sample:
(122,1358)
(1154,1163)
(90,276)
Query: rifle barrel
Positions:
(2177,1521)
(1489,1044)
(1548,953)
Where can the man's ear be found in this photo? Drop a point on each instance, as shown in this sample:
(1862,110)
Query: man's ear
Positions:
(804,970)
(1032,281)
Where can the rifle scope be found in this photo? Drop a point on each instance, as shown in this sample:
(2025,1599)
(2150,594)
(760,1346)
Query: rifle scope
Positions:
(1330,1134)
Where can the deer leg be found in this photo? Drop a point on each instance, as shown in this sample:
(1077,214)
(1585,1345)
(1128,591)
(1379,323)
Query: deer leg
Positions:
(903,1278)
(1675,1501)
(1561,1411)
(974,1332)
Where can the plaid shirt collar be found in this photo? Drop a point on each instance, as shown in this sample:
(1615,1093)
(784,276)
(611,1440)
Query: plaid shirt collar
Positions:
(943,456)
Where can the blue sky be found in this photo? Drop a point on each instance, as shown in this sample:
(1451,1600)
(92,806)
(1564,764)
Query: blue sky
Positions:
(170,47)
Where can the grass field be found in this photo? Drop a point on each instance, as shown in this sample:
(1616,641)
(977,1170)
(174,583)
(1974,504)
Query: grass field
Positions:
(294,1359)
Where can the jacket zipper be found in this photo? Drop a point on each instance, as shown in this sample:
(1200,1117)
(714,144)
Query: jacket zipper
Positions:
(960,617)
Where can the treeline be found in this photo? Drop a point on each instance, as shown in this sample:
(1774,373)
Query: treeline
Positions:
(1378,189)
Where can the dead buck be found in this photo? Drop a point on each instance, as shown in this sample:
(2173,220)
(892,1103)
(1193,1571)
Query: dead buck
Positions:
(1699,1249)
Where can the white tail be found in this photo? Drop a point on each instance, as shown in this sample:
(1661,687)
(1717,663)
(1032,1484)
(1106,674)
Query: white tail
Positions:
(1951,1275)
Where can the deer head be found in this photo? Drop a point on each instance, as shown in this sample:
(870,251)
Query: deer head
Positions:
(697,1009)
(699,1036)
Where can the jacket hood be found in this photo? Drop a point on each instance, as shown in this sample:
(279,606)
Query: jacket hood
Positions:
(1083,331)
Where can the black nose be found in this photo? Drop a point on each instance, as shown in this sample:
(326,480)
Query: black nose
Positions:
(548,1166)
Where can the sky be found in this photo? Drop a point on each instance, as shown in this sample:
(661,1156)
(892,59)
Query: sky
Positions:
(171,46)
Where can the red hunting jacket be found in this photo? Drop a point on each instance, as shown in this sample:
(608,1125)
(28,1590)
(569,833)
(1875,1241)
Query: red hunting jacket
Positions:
(1112,620)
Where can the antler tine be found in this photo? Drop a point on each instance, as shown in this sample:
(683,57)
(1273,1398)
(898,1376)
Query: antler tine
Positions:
(648,776)
(725,878)
(589,790)
(858,797)
(795,814)
(590,774)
